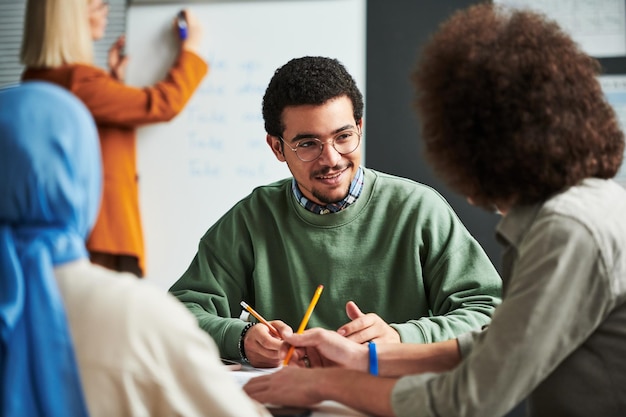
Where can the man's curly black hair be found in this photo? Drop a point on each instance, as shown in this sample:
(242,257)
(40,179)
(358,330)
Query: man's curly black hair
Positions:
(307,80)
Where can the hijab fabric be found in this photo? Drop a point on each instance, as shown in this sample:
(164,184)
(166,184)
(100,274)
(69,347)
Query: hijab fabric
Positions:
(50,186)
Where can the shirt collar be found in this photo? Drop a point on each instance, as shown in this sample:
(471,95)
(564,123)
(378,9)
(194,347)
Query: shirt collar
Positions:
(512,227)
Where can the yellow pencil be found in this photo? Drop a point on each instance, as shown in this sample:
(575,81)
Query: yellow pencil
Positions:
(260,318)
(305,320)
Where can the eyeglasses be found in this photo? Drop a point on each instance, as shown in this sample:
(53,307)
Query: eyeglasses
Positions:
(307,150)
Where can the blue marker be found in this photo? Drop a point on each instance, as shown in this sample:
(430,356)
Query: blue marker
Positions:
(182,25)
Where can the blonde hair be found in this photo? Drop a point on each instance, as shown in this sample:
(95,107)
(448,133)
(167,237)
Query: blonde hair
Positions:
(56,32)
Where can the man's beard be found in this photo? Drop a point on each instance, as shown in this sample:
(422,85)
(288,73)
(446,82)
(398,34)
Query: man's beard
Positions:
(325,199)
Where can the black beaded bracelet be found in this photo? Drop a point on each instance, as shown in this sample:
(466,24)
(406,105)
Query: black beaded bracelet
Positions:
(242,349)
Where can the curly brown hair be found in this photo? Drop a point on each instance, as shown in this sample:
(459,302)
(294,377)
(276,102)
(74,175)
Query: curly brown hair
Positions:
(511,109)
(307,80)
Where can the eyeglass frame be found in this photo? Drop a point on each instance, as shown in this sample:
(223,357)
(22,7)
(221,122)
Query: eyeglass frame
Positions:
(359,133)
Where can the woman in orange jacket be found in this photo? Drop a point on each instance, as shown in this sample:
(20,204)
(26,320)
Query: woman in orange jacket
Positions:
(58,47)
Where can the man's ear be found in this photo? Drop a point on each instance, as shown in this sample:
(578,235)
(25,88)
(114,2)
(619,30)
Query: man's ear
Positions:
(276,146)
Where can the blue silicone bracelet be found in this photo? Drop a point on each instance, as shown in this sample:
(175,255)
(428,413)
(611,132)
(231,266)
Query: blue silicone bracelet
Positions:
(373,359)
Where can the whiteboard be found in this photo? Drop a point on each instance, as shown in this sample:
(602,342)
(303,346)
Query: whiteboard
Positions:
(195,167)
(614,88)
(598,26)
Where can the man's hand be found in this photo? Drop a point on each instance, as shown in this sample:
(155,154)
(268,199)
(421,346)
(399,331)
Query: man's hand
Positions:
(367,327)
(325,348)
(289,385)
(262,348)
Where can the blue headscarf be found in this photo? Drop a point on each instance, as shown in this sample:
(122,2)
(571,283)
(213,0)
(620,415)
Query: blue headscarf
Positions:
(50,186)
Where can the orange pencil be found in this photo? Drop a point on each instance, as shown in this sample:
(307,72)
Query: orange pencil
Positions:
(260,318)
(305,320)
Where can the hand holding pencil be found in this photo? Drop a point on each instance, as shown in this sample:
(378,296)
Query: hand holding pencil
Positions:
(261,357)
(261,347)
(260,318)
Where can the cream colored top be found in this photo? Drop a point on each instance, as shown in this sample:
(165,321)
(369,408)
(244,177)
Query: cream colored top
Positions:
(141,353)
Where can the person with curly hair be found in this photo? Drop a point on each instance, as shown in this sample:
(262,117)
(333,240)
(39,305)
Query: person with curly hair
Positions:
(390,250)
(514,119)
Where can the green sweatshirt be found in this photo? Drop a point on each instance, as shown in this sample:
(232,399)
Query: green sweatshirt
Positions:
(399,251)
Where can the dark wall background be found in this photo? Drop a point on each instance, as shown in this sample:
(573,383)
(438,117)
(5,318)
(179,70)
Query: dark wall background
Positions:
(396,31)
